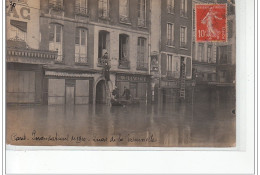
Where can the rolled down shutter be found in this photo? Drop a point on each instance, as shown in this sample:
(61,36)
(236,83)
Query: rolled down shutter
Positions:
(163,64)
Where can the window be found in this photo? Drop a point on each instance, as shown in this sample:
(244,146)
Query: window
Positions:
(223,54)
(201,52)
(183,37)
(141,13)
(56,4)
(141,54)
(103,43)
(170,6)
(55,39)
(209,53)
(173,66)
(193,51)
(81,46)
(230,29)
(183,9)
(170,34)
(123,51)
(103,8)
(124,9)
(81,7)
(18,30)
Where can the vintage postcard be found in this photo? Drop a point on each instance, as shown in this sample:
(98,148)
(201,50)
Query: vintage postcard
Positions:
(130,73)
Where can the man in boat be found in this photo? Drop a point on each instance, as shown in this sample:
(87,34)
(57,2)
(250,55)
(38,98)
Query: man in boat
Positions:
(126,93)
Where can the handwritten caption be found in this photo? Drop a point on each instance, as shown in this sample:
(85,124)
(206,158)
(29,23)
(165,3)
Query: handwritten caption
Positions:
(80,139)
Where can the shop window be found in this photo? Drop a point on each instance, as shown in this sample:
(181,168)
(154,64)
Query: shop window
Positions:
(170,34)
(173,67)
(188,67)
(183,37)
(183,9)
(81,7)
(123,51)
(81,45)
(141,54)
(103,44)
(124,10)
(170,6)
(103,7)
(56,39)
(142,13)
(18,30)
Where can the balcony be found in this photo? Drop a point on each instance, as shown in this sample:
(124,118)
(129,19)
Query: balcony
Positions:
(183,13)
(141,22)
(124,64)
(184,45)
(81,60)
(31,56)
(82,11)
(172,74)
(140,65)
(56,5)
(102,62)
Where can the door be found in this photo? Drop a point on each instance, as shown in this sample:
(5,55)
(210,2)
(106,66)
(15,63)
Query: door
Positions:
(70,95)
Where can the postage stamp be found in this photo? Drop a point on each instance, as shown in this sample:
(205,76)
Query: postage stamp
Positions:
(211,22)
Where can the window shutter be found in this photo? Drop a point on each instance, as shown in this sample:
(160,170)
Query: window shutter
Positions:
(163,64)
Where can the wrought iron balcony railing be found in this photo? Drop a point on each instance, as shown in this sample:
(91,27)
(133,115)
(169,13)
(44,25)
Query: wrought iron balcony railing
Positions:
(124,64)
(81,11)
(56,5)
(141,65)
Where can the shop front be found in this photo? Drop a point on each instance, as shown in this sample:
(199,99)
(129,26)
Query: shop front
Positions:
(68,88)
(138,84)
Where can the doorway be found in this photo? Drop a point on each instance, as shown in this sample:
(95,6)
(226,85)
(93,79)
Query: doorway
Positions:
(70,95)
(101,92)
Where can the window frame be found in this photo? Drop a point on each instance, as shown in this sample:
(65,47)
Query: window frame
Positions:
(141,19)
(171,6)
(184,10)
(54,41)
(81,9)
(80,31)
(170,34)
(201,54)
(210,55)
(125,8)
(102,9)
(183,44)
(141,53)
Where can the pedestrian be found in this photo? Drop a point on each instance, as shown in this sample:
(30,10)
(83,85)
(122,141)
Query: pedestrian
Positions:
(115,93)
(126,93)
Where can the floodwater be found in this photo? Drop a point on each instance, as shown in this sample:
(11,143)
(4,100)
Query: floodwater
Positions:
(168,125)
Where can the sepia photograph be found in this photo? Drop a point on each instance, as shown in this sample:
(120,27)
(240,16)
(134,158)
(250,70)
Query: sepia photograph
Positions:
(121,73)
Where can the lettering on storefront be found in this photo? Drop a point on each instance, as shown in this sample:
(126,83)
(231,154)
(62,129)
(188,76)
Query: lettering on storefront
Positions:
(24,12)
(131,78)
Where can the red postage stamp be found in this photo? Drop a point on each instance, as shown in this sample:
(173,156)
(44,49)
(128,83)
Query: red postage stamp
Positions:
(211,22)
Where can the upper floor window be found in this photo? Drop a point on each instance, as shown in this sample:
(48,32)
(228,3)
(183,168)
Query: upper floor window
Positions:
(170,6)
(56,4)
(55,39)
(183,37)
(201,52)
(81,7)
(230,28)
(123,9)
(183,9)
(81,45)
(123,51)
(141,53)
(193,51)
(225,54)
(141,13)
(103,44)
(210,53)
(103,7)
(18,30)
(170,34)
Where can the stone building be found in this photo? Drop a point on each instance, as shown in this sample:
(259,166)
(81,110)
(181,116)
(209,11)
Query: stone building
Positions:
(82,31)
(171,36)
(24,58)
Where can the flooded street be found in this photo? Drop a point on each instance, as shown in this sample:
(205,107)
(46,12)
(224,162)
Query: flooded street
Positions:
(171,125)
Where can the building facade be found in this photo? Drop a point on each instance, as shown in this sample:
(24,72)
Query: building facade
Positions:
(24,58)
(171,47)
(82,31)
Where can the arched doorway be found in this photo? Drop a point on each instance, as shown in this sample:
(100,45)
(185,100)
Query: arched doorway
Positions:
(101,92)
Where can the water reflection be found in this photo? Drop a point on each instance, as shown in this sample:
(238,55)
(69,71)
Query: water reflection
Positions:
(144,125)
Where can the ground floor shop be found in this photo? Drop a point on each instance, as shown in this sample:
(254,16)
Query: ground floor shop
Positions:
(138,84)
(24,83)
